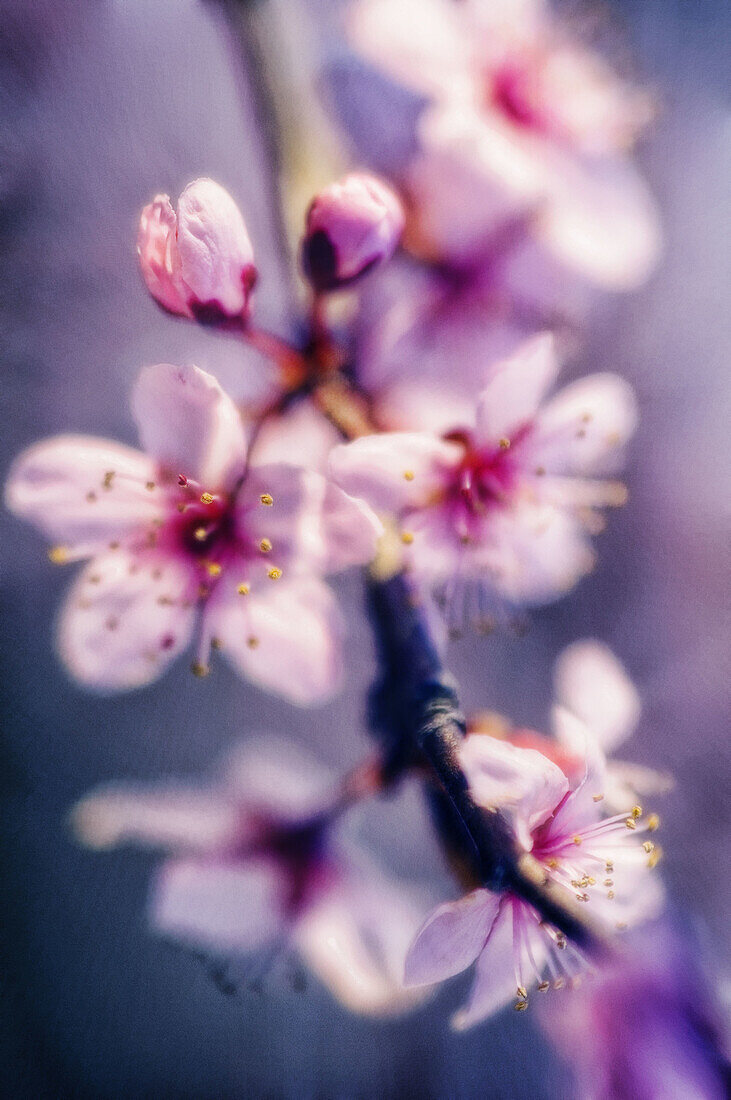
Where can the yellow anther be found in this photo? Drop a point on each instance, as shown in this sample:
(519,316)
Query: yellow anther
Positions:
(636,811)
(265,546)
(576,839)
(552,864)
(199,669)
(274,573)
(610,894)
(407,538)
(561,943)
(522,992)
(213,569)
(597,797)
(653,822)
(648,846)
(655,857)
(267,498)
(216,643)
(408,475)
(590,880)
(201,534)
(206,498)
(544,986)
(59,555)
(504,443)
(150,485)
(559,983)
(609,866)
(243,589)
(108,479)
(609,882)
(631,823)
(252,642)
(520,1006)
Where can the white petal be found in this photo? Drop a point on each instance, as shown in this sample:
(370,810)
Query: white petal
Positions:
(451,938)
(301,436)
(584,427)
(515,392)
(189,424)
(223,906)
(62,485)
(125,620)
(590,681)
(494,983)
(393,470)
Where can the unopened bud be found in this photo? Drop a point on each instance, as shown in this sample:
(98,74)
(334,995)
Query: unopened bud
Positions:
(351,226)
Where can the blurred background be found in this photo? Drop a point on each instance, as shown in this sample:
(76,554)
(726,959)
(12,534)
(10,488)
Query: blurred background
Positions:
(103,104)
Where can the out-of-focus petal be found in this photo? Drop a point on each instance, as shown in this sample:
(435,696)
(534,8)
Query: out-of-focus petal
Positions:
(581,741)
(523,784)
(278,774)
(63,486)
(451,938)
(286,639)
(393,470)
(156,248)
(164,816)
(590,681)
(300,436)
(516,390)
(494,981)
(189,424)
(585,425)
(125,618)
(219,905)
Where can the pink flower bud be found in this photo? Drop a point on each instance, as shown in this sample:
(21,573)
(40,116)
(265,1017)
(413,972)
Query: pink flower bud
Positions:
(198,262)
(352,225)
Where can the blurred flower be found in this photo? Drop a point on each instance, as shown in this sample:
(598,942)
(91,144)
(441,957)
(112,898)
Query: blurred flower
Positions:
(351,226)
(253,867)
(199,262)
(521,124)
(603,861)
(502,507)
(644,1027)
(189,531)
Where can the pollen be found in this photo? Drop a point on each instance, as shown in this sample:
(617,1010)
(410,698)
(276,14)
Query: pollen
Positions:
(252,641)
(631,823)
(522,992)
(504,443)
(201,534)
(408,475)
(407,538)
(520,1006)
(243,589)
(265,546)
(653,822)
(206,498)
(636,811)
(150,485)
(274,573)
(199,669)
(213,569)
(648,846)
(267,498)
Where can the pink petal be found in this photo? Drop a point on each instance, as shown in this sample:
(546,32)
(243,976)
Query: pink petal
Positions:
(312,524)
(592,682)
(379,468)
(278,774)
(494,984)
(525,785)
(166,815)
(125,619)
(451,938)
(585,426)
(157,250)
(287,639)
(514,393)
(187,423)
(62,486)
(355,940)
(299,436)
(218,905)
(216,255)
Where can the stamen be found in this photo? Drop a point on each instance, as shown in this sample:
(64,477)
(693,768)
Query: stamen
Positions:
(108,479)
(597,797)
(655,857)
(407,538)
(648,846)
(274,573)
(243,589)
(252,642)
(267,498)
(206,498)
(653,823)
(408,475)
(631,823)
(59,555)
(265,546)
(543,986)
(201,534)
(199,669)
(504,443)
(213,569)
(636,811)
(149,485)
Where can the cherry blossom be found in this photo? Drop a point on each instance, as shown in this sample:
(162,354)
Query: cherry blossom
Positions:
(197,262)
(252,867)
(352,225)
(602,860)
(502,507)
(185,537)
(521,123)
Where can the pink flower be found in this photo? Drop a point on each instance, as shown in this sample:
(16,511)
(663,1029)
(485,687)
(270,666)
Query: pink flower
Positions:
(502,507)
(199,262)
(351,226)
(521,124)
(252,865)
(185,537)
(603,861)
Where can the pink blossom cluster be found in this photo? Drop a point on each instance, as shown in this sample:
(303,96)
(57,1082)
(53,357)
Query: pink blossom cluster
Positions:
(428,441)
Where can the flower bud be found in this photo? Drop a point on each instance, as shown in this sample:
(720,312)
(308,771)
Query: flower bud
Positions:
(351,226)
(198,262)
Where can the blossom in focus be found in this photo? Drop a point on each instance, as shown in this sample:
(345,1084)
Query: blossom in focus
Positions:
(502,507)
(197,261)
(645,1026)
(185,537)
(522,125)
(351,226)
(603,861)
(252,867)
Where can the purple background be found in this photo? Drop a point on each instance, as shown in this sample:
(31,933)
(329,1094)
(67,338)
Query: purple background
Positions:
(102,104)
